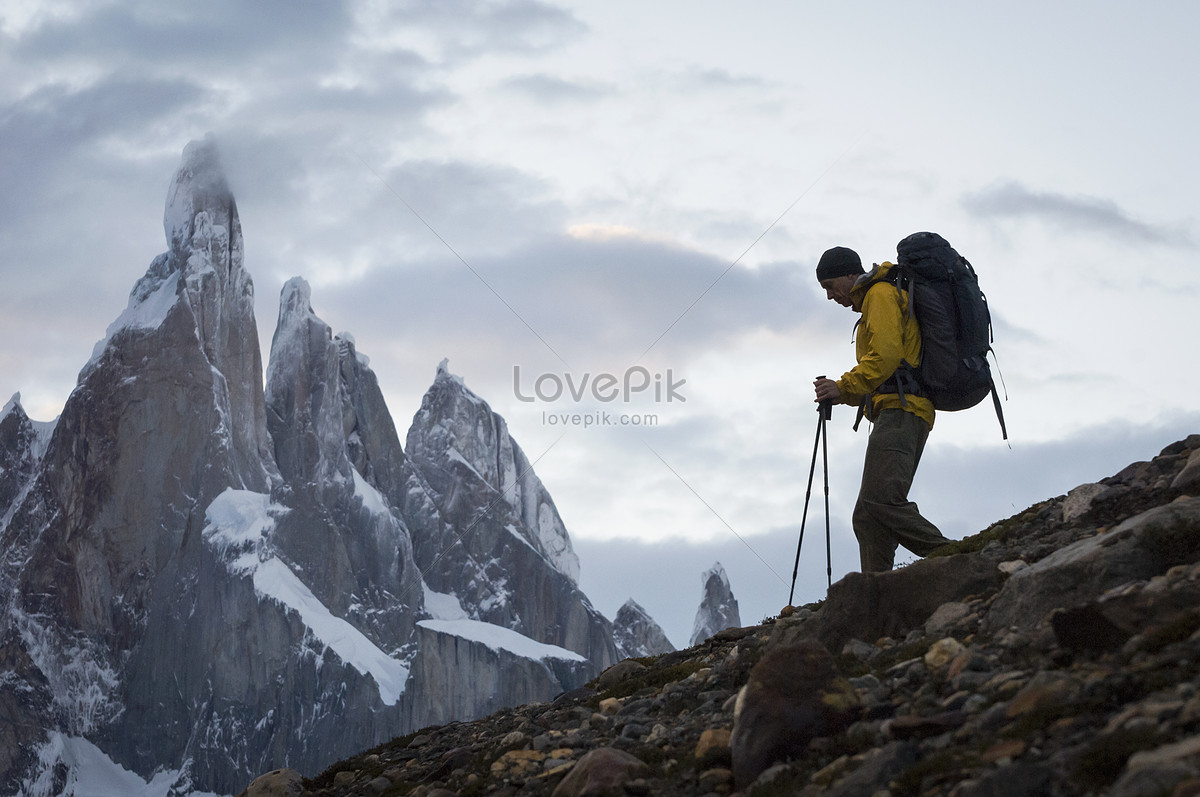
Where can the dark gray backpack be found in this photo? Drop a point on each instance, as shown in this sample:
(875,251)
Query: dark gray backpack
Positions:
(956,327)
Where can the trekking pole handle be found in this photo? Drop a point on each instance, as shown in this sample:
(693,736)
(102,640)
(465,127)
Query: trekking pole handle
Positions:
(825,406)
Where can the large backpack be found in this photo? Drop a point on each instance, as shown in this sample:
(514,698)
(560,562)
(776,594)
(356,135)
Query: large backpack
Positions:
(956,327)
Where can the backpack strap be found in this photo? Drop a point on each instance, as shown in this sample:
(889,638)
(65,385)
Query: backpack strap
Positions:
(999,411)
(902,382)
(996,394)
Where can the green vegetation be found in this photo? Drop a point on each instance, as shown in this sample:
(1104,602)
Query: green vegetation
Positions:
(651,677)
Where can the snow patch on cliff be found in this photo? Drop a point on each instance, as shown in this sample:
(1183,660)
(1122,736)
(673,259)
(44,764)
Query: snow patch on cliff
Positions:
(89,772)
(498,639)
(238,526)
(372,499)
(443,606)
(143,312)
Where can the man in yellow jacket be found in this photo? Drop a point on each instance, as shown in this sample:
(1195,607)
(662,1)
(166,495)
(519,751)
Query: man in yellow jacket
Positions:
(887,337)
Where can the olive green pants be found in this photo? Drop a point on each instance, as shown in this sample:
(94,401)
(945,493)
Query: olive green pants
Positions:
(883,516)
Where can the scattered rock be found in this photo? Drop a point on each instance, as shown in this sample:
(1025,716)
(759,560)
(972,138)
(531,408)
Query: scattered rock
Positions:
(942,653)
(622,670)
(946,617)
(1079,500)
(713,749)
(1188,480)
(602,771)
(280,783)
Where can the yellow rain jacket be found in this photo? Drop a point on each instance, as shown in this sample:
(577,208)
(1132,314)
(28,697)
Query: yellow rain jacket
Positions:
(886,335)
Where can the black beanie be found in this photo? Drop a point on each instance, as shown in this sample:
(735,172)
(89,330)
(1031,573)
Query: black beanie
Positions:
(838,262)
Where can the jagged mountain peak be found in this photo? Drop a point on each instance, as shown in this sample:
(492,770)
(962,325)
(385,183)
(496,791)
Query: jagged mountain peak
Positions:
(636,633)
(199,187)
(303,393)
(37,432)
(716,571)
(295,299)
(456,426)
(718,608)
(21,446)
(199,291)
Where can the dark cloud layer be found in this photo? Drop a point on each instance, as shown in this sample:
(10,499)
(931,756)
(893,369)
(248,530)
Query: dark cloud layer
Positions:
(1081,214)
(220,36)
(52,133)
(551,89)
(588,299)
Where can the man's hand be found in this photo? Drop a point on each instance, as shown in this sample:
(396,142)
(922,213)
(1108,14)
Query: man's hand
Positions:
(827,390)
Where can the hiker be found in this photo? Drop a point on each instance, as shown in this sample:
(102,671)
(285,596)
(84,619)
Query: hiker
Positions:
(887,336)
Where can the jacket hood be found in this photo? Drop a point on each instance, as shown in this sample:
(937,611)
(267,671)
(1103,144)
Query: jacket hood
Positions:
(878,273)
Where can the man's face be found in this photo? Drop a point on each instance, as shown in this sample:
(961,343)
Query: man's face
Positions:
(837,289)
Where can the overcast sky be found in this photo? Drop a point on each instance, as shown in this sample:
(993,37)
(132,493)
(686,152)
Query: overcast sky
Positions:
(576,189)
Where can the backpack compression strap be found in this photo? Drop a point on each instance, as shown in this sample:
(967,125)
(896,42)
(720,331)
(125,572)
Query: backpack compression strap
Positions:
(903,379)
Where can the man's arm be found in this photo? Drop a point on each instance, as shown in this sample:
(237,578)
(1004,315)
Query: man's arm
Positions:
(881,342)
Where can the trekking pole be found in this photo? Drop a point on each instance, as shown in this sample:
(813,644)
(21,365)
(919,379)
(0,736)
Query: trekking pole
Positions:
(824,410)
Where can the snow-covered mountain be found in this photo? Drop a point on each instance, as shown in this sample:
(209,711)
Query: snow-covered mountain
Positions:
(637,634)
(718,608)
(499,525)
(204,579)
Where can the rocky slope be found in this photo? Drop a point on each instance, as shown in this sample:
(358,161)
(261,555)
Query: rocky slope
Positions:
(1055,653)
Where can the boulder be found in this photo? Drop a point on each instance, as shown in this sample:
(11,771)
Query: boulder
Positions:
(794,695)
(873,605)
(1142,547)
(603,771)
(279,783)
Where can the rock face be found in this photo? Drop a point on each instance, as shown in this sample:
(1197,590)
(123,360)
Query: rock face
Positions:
(497,521)
(467,668)
(205,579)
(718,608)
(637,634)
(22,444)
(357,552)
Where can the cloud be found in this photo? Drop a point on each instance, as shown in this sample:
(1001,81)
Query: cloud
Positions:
(590,299)
(553,90)
(1079,214)
(465,29)
(220,37)
(721,79)
(46,131)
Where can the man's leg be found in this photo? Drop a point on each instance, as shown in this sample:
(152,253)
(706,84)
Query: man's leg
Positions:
(883,516)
